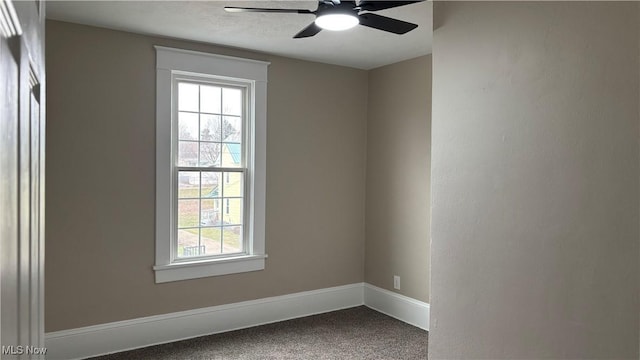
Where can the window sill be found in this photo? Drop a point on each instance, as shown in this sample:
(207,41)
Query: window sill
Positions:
(205,268)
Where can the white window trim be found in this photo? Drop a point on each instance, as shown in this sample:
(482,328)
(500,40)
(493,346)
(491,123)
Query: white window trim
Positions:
(170,61)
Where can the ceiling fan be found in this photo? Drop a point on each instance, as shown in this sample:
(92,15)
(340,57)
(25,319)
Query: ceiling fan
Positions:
(339,15)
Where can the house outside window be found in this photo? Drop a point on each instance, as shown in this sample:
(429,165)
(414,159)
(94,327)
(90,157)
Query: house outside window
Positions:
(211,125)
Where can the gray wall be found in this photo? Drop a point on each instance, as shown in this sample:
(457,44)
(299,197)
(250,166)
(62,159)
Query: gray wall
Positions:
(398,176)
(535,181)
(100,176)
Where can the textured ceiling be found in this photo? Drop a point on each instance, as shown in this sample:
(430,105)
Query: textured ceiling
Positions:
(206,21)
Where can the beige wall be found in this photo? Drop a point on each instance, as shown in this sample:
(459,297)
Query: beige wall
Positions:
(100,176)
(535,181)
(398,177)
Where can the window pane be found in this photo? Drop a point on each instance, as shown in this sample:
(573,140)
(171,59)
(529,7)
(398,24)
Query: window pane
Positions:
(209,99)
(211,240)
(211,184)
(233,184)
(188,242)
(232,129)
(188,184)
(231,101)
(187,97)
(210,128)
(187,126)
(210,212)
(209,154)
(188,213)
(210,203)
(232,211)
(187,153)
(232,239)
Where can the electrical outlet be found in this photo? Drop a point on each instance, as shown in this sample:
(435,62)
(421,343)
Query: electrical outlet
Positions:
(396,282)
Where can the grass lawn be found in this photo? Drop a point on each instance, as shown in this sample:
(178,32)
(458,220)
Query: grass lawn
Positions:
(192,191)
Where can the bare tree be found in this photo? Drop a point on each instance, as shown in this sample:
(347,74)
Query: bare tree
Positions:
(211,152)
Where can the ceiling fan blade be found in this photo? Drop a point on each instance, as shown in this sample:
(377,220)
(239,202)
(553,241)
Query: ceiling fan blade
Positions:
(381,5)
(386,23)
(285,11)
(309,31)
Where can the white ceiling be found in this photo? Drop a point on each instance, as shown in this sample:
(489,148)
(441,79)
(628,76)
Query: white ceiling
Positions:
(206,21)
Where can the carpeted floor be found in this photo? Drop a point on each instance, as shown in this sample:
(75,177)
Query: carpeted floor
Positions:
(356,333)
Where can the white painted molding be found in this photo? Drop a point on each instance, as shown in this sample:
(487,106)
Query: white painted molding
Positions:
(172,66)
(136,333)
(401,307)
(126,335)
(206,63)
(9,22)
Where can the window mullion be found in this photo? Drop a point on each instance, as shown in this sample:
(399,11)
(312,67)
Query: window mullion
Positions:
(222,174)
(211,169)
(199,211)
(200,176)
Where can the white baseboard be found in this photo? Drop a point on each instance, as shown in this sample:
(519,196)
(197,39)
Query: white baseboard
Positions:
(125,335)
(401,307)
(136,333)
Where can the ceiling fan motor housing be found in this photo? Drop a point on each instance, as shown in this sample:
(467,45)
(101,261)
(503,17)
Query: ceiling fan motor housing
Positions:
(341,8)
(336,17)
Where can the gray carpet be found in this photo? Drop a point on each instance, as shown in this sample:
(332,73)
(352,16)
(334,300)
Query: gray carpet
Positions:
(356,333)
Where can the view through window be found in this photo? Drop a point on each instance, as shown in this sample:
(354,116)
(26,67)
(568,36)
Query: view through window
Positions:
(210,169)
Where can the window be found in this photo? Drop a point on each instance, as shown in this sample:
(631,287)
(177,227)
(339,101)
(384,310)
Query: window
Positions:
(210,126)
(211,120)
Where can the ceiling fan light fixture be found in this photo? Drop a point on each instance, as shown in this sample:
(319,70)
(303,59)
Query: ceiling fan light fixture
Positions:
(337,22)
